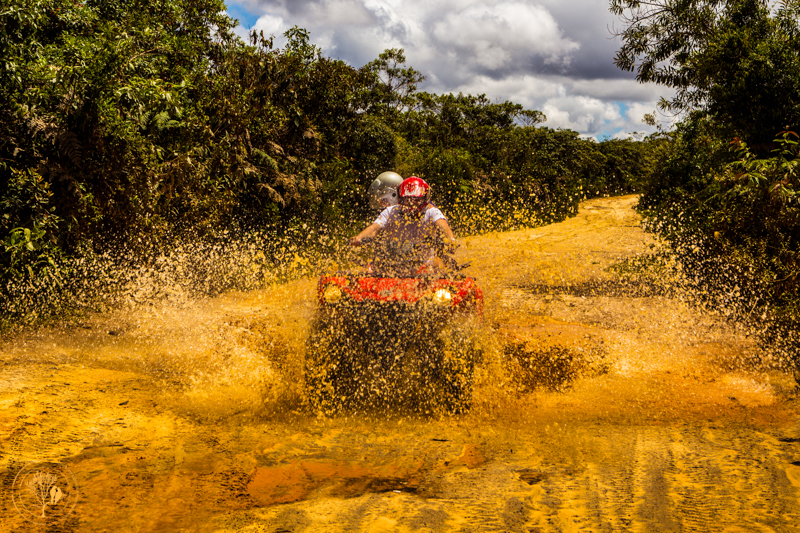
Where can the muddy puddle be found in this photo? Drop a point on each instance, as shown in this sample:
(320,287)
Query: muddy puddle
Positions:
(599,405)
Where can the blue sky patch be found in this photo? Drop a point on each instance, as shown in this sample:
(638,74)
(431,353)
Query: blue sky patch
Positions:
(246,18)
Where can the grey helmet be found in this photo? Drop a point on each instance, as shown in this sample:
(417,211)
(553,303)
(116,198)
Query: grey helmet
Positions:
(383,191)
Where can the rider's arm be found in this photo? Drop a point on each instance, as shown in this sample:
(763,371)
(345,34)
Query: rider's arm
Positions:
(369,231)
(444,227)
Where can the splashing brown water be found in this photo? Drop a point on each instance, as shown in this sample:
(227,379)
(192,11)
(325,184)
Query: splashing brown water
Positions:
(598,406)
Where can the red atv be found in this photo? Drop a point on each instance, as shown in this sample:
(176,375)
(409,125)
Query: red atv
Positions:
(381,340)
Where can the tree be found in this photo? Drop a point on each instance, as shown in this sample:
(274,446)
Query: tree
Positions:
(735,60)
(731,222)
(97,102)
(392,84)
(530,118)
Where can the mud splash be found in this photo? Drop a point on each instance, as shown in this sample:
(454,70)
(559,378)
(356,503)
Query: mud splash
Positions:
(600,405)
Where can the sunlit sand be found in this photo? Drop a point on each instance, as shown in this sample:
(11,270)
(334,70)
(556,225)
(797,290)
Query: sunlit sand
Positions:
(191,416)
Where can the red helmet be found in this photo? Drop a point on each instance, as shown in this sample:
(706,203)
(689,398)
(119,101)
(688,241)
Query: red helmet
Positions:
(414,187)
(414,194)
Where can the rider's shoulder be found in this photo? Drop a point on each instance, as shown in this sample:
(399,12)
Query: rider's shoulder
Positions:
(383,217)
(434,213)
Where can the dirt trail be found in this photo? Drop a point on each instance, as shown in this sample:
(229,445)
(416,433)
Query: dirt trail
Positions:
(190,417)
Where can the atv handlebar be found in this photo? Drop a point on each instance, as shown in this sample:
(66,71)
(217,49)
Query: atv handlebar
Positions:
(443,249)
(356,241)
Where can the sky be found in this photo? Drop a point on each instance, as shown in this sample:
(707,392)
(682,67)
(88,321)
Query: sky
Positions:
(555,56)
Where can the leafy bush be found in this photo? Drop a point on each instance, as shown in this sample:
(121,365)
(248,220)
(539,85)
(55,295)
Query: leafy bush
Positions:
(730,216)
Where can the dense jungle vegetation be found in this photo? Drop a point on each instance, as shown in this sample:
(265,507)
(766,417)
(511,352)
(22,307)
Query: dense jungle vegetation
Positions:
(132,130)
(724,195)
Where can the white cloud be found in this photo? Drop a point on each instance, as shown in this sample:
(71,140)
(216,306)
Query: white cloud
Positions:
(550,55)
(587,115)
(337,13)
(637,111)
(498,36)
(616,89)
(271,24)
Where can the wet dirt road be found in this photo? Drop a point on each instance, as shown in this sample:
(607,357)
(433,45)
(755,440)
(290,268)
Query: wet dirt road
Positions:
(190,417)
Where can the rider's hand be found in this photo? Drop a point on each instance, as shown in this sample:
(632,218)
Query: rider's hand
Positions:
(355,241)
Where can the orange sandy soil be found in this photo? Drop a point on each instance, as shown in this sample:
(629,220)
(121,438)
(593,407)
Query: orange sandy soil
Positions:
(190,417)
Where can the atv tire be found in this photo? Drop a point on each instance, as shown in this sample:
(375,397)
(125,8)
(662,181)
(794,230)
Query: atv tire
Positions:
(347,369)
(456,370)
(327,372)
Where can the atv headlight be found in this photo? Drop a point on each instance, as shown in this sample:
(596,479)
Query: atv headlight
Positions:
(443,297)
(332,295)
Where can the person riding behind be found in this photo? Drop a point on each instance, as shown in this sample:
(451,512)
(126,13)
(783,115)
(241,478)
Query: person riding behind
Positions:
(409,231)
(383,191)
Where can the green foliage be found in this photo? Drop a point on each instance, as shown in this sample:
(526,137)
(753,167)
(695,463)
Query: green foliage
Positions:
(29,250)
(771,180)
(736,60)
(130,127)
(729,216)
(757,209)
(493,169)
(627,164)
(391,85)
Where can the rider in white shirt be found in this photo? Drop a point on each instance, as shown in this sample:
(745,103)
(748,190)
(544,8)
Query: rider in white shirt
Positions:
(407,230)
